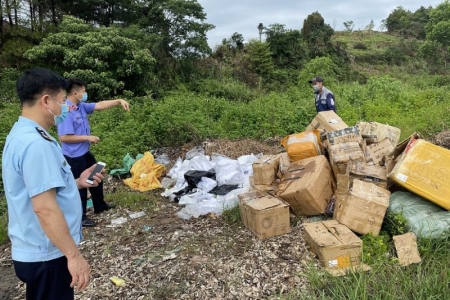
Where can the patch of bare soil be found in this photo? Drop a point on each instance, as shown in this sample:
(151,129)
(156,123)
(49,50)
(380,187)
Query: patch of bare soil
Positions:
(8,279)
(442,139)
(161,256)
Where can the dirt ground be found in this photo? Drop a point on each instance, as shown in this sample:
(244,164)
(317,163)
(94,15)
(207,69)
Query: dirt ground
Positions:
(161,256)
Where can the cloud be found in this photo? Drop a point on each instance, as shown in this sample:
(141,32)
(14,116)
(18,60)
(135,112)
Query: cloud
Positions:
(243,16)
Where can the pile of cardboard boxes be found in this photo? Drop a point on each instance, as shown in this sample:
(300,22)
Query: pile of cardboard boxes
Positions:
(345,170)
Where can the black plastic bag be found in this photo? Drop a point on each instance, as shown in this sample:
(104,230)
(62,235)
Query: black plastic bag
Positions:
(193,177)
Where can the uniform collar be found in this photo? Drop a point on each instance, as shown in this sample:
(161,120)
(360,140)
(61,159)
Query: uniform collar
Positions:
(71,105)
(40,130)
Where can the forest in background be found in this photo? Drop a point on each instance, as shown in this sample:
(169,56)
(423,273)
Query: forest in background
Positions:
(148,48)
(155,54)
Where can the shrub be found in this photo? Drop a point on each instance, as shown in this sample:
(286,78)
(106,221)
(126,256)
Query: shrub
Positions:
(360,46)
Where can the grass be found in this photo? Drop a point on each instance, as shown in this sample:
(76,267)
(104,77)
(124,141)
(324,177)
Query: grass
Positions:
(131,199)
(387,279)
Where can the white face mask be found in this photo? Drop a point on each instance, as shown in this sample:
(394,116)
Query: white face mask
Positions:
(316,88)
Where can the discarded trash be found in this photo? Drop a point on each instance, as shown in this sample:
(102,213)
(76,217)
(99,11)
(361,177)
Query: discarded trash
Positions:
(194,152)
(117,281)
(167,182)
(89,203)
(175,251)
(119,221)
(137,215)
(139,261)
(163,159)
(147,228)
(169,257)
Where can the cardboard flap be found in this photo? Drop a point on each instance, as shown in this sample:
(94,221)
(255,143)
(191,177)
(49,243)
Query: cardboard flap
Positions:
(370,192)
(251,195)
(264,203)
(342,233)
(349,270)
(406,246)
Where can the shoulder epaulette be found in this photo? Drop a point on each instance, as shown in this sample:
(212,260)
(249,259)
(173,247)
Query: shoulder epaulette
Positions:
(43,134)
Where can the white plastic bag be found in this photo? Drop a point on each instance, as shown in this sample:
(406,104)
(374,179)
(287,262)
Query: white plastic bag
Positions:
(200,163)
(173,172)
(246,162)
(228,171)
(207,184)
(194,152)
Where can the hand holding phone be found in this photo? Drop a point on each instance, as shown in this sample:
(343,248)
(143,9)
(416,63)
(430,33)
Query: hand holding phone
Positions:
(97,169)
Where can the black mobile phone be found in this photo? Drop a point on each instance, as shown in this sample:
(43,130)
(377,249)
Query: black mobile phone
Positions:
(97,169)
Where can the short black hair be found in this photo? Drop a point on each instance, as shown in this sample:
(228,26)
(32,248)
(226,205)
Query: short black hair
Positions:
(37,80)
(74,83)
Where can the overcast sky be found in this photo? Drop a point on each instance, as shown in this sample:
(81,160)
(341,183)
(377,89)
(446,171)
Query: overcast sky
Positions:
(243,16)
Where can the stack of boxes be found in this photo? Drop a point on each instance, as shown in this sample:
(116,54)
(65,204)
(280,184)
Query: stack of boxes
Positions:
(353,166)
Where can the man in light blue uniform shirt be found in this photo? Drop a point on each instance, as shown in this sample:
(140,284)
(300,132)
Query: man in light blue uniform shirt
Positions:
(42,195)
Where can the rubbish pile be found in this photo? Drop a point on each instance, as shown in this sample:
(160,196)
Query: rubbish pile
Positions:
(350,175)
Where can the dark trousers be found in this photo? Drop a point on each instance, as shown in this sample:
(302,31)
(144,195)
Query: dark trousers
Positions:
(78,166)
(46,280)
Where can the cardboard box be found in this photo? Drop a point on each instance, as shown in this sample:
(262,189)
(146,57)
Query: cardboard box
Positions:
(326,120)
(308,186)
(364,172)
(374,132)
(264,215)
(342,154)
(346,135)
(270,188)
(363,208)
(406,246)
(285,162)
(422,168)
(379,151)
(302,145)
(265,169)
(334,243)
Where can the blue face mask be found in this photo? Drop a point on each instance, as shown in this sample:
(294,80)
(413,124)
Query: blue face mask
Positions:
(64,112)
(84,97)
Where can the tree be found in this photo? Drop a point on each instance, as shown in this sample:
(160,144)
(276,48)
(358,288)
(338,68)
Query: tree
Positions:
(349,26)
(109,61)
(287,46)
(260,57)
(260,30)
(438,22)
(317,34)
(370,26)
(398,20)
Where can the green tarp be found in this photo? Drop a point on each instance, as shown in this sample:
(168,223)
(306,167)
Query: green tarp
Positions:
(127,163)
(425,218)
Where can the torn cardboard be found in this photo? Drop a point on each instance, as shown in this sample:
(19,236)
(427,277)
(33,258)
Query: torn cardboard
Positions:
(342,154)
(406,247)
(285,162)
(374,132)
(264,215)
(379,151)
(334,243)
(307,186)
